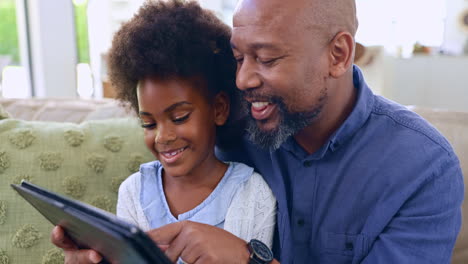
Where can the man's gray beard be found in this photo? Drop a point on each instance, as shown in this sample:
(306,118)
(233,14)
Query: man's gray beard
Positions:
(290,123)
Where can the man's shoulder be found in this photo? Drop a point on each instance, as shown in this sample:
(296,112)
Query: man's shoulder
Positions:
(401,125)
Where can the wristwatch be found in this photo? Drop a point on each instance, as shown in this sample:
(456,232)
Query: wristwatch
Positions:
(259,252)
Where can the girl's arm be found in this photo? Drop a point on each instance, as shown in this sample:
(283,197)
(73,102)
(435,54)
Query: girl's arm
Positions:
(252,213)
(265,214)
(128,203)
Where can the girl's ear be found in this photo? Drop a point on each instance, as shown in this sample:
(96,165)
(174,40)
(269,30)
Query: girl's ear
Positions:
(221,108)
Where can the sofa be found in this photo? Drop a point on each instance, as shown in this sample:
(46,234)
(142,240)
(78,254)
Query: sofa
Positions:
(454,126)
(85,148)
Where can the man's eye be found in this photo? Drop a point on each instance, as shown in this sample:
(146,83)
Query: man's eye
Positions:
(181,119)
(266,61)
(240,60)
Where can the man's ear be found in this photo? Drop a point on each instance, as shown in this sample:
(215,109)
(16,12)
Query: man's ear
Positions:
(341,54)
(221,108)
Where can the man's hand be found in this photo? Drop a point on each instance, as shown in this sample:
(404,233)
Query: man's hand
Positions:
(198,243)
(73,255)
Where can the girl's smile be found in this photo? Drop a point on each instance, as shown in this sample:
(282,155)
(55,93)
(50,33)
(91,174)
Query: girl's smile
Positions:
(172,156)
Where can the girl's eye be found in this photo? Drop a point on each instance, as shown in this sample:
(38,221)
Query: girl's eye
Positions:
(148,125)
(181,119)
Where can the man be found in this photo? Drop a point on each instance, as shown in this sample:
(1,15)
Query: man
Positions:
(358,179)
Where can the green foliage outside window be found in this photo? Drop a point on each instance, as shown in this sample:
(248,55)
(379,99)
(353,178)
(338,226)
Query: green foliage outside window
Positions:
(9,45)
(8,31)
(81,25)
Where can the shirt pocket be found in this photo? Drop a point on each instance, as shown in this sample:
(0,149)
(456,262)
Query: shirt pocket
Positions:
(342,248)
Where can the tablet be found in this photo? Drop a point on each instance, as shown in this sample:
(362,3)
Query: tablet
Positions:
(91,227)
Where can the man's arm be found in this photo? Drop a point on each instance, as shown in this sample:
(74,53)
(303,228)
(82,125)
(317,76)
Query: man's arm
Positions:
(198,243)
(426,227)
(195,243)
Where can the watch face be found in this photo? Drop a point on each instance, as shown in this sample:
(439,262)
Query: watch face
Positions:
(261,250)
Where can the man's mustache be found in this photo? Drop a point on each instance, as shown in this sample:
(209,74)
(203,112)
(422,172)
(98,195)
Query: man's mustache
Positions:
(252,95)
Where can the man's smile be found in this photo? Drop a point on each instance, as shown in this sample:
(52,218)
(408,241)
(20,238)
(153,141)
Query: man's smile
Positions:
(262,110)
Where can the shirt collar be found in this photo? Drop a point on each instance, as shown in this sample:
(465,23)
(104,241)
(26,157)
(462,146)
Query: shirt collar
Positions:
(357,118)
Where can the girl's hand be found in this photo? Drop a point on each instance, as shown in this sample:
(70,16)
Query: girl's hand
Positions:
(73,255)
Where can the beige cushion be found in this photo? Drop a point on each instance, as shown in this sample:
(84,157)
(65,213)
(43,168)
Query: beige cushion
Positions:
(86,161)
(65,109)
(454,126)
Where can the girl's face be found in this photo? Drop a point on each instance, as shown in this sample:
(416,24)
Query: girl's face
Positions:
(180,123)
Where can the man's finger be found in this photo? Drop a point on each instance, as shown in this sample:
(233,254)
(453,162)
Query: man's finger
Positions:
(60,239)
(166,234)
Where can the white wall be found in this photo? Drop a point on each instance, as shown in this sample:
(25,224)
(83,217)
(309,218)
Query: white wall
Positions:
(455,37)
(104,19)
(428,81)
(54,53)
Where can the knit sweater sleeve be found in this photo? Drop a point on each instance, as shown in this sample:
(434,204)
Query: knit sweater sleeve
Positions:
(128,203)
(252,213)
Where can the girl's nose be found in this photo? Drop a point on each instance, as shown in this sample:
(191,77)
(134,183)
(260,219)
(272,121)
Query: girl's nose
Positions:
(165,135)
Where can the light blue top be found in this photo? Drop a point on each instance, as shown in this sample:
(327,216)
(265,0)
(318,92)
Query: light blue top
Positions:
(211,211)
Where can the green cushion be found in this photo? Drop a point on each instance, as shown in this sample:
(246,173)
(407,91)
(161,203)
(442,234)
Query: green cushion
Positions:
(86,161)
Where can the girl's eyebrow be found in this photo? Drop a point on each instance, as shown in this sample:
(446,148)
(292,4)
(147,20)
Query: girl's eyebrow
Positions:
(141,113)
(169,109)
(174,106)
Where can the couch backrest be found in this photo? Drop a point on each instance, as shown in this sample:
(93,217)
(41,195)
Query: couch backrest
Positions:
(65,109)
(85,161)
(454,126)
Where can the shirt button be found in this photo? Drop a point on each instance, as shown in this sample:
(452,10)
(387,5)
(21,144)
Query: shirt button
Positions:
(307,163)
(300,222)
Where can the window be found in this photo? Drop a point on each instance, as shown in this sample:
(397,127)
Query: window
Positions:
(9,50)
(81,29)
(13,77)
(399,24)
(84,78)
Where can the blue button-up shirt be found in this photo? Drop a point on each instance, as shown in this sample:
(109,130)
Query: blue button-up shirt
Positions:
(385,188)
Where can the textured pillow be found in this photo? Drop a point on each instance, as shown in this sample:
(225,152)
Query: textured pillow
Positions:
(86,161)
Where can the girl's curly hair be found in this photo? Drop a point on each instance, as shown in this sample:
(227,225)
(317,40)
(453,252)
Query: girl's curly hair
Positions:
(175,38)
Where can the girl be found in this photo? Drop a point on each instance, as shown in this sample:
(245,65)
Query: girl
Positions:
(173,63)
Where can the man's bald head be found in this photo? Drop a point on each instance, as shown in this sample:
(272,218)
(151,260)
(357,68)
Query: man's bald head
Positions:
(338,15)
(332,16)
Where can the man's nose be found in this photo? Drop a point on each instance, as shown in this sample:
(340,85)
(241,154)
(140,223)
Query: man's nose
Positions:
(165,135)
(247,76)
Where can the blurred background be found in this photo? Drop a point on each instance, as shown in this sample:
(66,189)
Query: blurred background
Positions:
(413,52)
